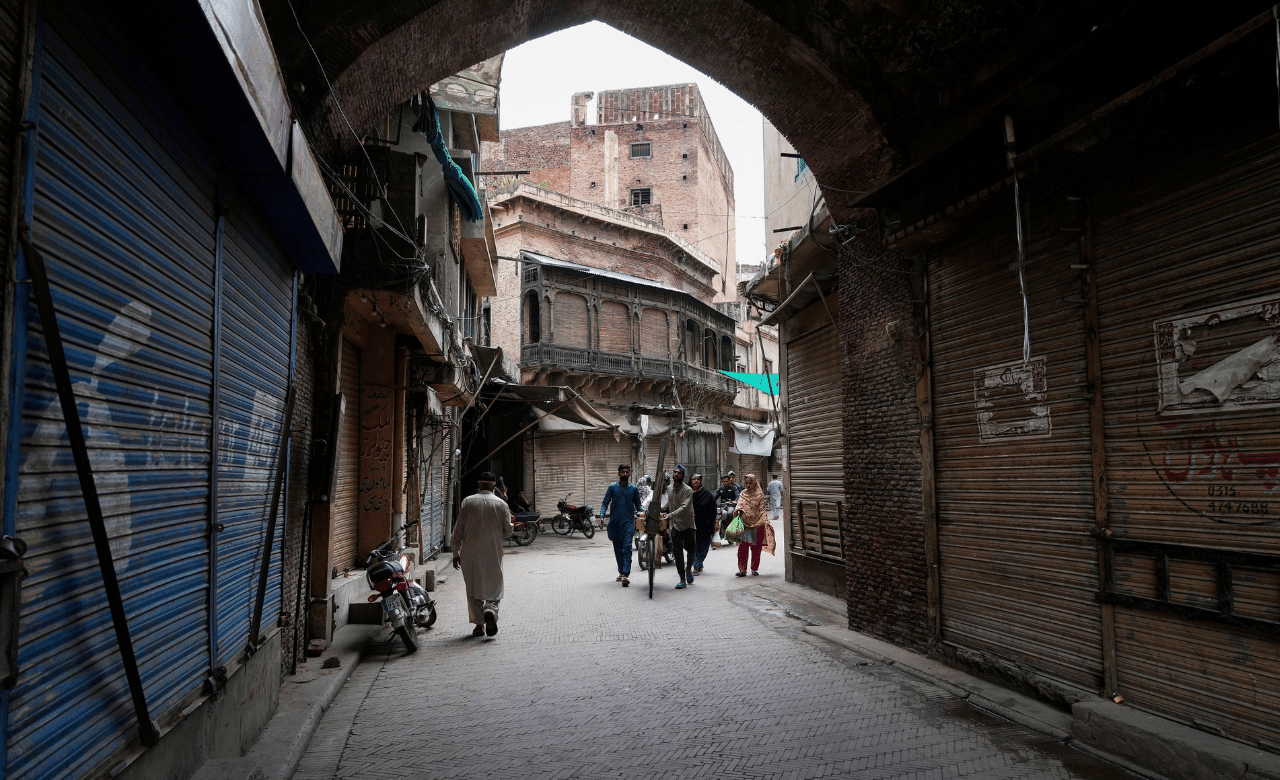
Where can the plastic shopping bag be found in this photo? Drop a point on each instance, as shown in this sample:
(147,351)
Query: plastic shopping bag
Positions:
(735,531)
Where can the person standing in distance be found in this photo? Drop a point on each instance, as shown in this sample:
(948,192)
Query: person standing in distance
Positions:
(622,500)
(775,498)
(484,520)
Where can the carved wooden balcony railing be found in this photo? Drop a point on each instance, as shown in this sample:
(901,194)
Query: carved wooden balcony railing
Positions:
(594,361)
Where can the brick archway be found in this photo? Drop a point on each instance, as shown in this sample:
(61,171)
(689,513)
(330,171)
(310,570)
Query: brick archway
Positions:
(377,56)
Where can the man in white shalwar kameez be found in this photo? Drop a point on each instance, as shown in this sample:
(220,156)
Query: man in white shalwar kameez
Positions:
(484,520)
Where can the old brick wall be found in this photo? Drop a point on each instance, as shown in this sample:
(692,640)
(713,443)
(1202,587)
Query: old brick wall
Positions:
(542,150)
(886,577)
(655,333)
(294,605)
(570,320)
(615,327)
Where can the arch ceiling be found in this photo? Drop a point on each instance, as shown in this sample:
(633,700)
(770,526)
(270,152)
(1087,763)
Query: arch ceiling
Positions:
(852,84)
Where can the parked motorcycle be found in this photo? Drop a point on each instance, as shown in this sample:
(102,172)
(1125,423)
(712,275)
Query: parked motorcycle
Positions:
(572,518)
(525,527)
(405,603)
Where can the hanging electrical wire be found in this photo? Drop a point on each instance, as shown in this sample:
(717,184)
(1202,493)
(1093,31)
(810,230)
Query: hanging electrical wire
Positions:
(1011,155)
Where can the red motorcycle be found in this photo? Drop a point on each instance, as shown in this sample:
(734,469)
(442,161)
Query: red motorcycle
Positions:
(572,518)
(525,527)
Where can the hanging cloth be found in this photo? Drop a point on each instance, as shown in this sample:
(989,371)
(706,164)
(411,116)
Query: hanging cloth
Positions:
(459,185)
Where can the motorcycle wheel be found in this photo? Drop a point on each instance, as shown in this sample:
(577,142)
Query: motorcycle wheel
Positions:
(522,536)
(588,530)
(431,616)
(561,525)
(406,636)
(642,554)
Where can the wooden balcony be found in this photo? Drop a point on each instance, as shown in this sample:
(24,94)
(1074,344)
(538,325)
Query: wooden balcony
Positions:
(595,362)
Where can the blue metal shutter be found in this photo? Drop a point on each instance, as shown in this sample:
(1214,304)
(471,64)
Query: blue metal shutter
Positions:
(123,211)
(431,467)
(257,302)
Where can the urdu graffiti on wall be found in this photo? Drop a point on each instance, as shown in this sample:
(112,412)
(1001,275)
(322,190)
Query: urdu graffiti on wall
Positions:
(1216,359)
(1012,400)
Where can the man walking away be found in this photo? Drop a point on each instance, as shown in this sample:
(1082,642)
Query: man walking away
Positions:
(680,524)
(622,500)
(704,517)
(484,520)
(775,498)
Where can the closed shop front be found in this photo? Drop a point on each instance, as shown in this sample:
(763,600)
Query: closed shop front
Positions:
(1188,285)
(1012,448)
(812,401)
(604,454)
(176,311)
(346,497)
(700,453)
(558,471)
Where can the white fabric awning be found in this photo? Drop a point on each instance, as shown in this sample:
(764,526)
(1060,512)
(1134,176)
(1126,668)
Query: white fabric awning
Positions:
(751,438)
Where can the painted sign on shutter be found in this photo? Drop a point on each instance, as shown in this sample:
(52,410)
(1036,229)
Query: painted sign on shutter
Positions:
(1222,358)
(1012,401)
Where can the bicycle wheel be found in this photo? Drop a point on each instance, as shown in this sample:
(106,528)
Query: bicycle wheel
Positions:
(650,545)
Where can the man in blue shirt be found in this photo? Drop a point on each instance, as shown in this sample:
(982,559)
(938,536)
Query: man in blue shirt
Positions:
(625,500)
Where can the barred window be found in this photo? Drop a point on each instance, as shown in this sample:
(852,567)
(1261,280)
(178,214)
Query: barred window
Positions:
(641,197)
(642,150)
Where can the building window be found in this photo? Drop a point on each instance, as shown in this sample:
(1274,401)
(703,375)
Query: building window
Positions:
(641,196)
(685,156)
(642,150)
(801,167)
(593,184)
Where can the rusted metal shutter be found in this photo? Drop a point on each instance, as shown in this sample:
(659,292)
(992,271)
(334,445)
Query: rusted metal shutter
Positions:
(346,498)
(1189,306)
(814,431)
(603,456)
(559,460)
(1013,449)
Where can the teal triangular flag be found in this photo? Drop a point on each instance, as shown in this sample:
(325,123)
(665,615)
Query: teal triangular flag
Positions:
(765,383)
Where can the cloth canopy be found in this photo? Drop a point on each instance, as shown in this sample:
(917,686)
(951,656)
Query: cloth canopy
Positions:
(765,383)
(751,438)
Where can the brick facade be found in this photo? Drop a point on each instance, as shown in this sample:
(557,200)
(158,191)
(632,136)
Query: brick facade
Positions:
(685,171)
(885,575)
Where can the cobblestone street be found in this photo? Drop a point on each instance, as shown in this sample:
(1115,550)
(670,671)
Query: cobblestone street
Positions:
(586,679)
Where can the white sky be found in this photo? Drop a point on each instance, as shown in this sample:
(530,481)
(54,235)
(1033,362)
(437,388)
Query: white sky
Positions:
(540,76)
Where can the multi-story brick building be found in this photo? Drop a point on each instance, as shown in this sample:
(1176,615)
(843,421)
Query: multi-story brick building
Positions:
(624,287)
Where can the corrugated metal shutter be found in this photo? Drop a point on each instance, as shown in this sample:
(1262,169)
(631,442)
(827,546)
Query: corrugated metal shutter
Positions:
(559,471)
(1013,451)
(603,456)
(1187,277)
(431,467)
(10,41)
(814,429)
(124,213)
(257,306)
(346,505)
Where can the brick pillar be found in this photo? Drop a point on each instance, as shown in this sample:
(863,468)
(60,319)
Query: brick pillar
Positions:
(378,444)
(885,571)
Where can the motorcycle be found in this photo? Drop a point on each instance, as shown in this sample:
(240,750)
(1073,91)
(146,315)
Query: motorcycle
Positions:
(724,514)
(405,603)
(572,518)
(525,527)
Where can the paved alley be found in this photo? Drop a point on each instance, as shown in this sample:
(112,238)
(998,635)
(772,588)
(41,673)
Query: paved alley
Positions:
(586,679)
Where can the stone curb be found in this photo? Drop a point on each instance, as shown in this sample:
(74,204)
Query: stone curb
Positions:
(303,701)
